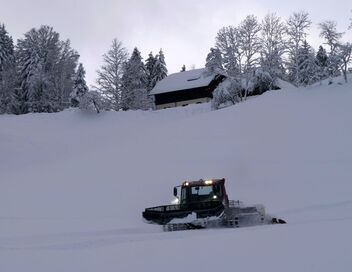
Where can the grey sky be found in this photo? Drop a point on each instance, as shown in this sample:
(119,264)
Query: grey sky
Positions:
(185,29)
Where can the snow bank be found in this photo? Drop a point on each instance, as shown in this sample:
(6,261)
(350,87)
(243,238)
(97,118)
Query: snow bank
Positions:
(73,185)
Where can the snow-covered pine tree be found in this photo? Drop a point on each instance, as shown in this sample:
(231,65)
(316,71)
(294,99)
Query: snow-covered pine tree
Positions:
(134,84)
(150,69)
(41,51)
(7,71)
(273,46)
(160,67)
(110,74)
(214,64)
(39,91)
(79,86)
(322,63)
(297,28)
(307,66)
(6,48)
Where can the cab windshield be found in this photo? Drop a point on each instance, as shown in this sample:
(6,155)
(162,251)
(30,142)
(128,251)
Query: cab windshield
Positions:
(198,193)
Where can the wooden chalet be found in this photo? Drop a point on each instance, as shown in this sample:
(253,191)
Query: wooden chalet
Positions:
(184,88)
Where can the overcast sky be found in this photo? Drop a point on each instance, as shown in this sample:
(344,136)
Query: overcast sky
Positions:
(185,29)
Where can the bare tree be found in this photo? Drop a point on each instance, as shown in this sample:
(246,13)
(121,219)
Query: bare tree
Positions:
(250,41)
(273,45)
(345,56)
(92,101)
(328,31)
(227,41)
(250,45)
(297,28)
(110,73)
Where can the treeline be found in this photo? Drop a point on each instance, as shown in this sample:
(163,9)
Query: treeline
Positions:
(125,82)
(255,54)
(41,73)
(38,74)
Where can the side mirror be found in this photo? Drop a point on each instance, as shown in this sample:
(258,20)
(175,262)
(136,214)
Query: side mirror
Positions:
(175,191)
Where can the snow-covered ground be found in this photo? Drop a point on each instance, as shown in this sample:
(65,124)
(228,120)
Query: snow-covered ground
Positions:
(73,185)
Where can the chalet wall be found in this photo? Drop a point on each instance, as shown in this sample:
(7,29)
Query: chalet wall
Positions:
(183,103)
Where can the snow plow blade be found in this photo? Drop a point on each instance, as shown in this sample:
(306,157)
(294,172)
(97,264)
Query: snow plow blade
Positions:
(162,215)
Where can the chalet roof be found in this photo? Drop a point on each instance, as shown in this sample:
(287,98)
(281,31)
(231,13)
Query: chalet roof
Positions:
(183,81)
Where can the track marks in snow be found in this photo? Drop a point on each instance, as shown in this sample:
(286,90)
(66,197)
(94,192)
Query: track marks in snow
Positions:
(90,240)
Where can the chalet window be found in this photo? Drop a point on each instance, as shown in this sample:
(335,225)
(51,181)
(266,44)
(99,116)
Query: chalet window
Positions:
(193,79)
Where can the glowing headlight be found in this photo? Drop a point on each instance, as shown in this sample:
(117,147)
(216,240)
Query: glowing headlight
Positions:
(215,197)
(175,201)
(187,183)
(208,182)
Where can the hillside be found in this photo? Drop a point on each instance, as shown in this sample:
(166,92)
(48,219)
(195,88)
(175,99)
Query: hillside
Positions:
(73,185)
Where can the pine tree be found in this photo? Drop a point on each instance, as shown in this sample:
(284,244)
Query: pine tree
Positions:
(322,63)
(7,71)
(134,84)
(183,69)
(6,48)
(160,67)
(150,69)
(322,57)
(110,74)
(46,68)
(39,91)
(79,86)
(214,62)
(308,68)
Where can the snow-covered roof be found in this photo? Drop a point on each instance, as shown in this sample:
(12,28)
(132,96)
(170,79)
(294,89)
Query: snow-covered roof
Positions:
(183,81)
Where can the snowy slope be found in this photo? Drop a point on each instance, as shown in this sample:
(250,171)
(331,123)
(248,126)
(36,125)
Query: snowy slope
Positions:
(73,185)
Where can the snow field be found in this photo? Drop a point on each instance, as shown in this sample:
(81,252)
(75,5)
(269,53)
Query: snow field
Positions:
(73,185)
